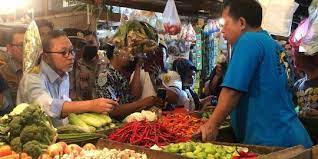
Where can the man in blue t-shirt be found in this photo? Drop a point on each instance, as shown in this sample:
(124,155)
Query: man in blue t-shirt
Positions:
(255,88)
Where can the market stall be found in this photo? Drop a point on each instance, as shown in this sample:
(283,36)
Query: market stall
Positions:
(27,132)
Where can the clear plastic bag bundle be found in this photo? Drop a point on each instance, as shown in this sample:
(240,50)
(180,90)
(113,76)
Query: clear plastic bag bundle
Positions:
(171,20)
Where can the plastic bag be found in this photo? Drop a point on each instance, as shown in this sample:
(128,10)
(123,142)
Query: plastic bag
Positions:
(305,37)
(171,20)
(310,40)
(32,48)
(280,22)
(188,33)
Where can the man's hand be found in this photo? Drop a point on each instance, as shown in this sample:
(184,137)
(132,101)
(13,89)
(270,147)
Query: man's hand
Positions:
(208,131)
(206,101)
(102,105)
(152,101)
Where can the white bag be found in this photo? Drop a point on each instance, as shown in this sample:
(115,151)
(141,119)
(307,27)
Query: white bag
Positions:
(278,16)
(171,20)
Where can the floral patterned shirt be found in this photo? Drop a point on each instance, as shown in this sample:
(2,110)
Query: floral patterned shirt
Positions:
(114,85)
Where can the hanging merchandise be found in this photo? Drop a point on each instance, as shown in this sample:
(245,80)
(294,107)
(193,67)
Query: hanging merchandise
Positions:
(125,15)
(32,47)
(212,43)
(188,33)
(280,22)
(211,27)
(309,41)
(144,16)
(178,49)
(198,54)
(171,20)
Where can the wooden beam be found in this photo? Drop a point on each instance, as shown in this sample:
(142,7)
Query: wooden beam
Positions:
(184,7)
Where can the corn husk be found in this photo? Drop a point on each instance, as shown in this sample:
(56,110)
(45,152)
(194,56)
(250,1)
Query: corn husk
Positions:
(32,48)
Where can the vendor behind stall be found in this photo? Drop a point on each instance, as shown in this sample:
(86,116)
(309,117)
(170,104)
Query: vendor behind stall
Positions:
(181,79)
(112,83)
(255,88)
(49,86)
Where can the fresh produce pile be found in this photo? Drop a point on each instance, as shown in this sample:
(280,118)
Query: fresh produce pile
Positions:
(84,128)
(144,115)
(181,124)
(207,150)
(104,154)
(91,122)
(61,150)
(145,134)
(137,36)
(7,153)
(28,129)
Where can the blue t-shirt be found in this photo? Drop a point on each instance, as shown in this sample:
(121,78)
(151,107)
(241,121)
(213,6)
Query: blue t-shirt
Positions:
(265,114)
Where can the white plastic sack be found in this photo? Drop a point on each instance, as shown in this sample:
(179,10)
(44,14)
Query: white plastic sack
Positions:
(278,16)
(305,37)
(310,41)
(171,20)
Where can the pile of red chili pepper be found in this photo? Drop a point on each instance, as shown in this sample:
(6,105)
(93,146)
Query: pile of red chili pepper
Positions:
(181,124)
(145,134)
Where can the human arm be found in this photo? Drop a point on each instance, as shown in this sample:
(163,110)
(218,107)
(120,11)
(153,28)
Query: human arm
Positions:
(228,99)
(125,109)
(100,105)
(240,74)
(135,84)
(32,90)
(172,96)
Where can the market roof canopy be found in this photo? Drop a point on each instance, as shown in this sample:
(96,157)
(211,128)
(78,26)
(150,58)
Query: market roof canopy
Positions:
(208,8)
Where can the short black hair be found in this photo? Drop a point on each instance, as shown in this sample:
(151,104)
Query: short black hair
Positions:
(182,66)
(14,32)
(46,41)
(109,49)
(250,10)
(43,23)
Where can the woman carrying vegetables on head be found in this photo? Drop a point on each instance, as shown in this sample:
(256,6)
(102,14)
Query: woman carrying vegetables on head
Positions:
(112,83)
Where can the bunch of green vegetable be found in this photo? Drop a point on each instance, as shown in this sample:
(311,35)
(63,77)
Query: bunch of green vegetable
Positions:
(139,37)
(204,150)
(84,127)
(28,129)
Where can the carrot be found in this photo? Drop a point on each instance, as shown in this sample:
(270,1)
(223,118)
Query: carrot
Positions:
(5,151)
(15,156)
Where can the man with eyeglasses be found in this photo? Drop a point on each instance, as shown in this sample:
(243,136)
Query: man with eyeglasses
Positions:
(11,71)
(49,86)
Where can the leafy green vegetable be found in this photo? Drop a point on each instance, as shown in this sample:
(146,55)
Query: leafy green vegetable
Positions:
(16,144)
(34,148)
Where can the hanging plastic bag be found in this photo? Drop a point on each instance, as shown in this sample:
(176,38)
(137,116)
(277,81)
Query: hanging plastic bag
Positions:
(310,41)
(171,20)
(280,22)
(32,48)
(305,37)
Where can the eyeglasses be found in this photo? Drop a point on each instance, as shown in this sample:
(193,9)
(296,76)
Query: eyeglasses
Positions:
(64,53)
(17,45)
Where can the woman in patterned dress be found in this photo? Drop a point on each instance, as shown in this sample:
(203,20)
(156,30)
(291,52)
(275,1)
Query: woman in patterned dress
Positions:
(112,83)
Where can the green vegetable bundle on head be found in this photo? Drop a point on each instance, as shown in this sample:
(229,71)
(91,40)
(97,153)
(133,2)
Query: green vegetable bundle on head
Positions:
(137,37)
